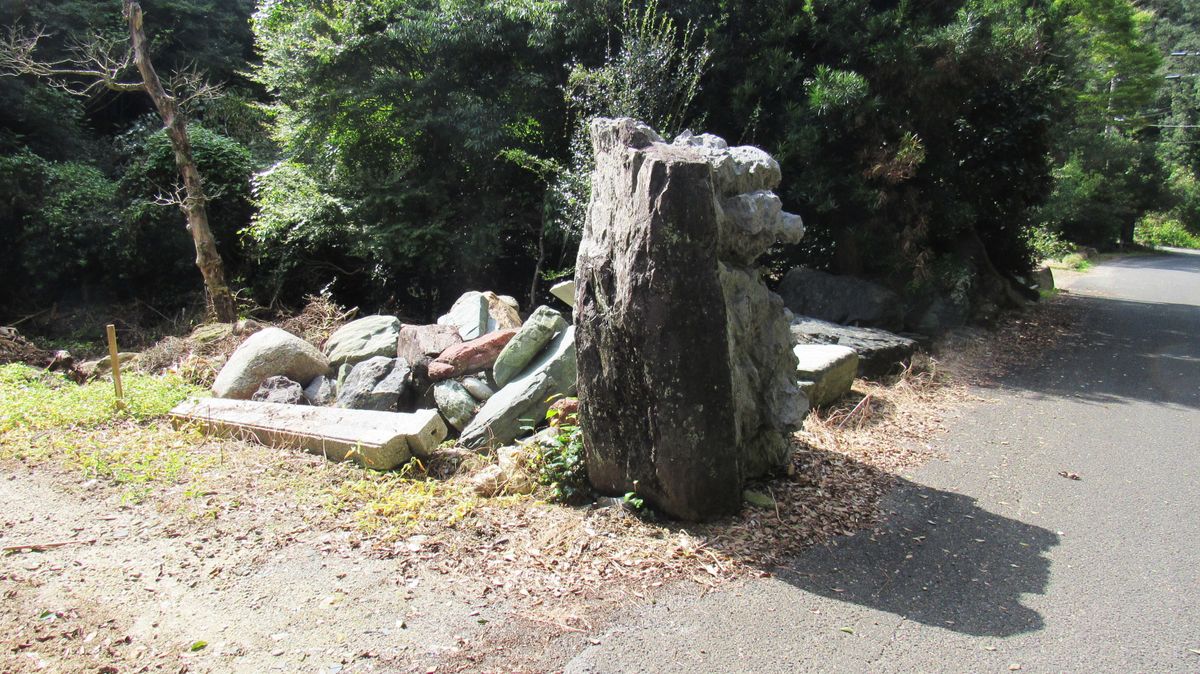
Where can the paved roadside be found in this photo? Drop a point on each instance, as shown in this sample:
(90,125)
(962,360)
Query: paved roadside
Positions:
(991,561)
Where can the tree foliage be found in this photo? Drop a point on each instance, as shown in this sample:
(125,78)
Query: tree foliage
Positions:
(405,150)
(398,113)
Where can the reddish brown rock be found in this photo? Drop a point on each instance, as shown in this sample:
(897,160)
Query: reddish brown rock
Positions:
(420,344)
(566,412)
(473,356)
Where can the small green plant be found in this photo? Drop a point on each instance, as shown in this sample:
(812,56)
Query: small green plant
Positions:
(1048,245)
(559,460)
(1077,262)
(634,501)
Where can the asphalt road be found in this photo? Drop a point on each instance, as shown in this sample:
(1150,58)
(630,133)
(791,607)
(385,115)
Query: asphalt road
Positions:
(991,561)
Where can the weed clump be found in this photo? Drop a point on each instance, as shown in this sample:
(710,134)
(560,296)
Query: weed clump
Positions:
(33,399)
(46,417)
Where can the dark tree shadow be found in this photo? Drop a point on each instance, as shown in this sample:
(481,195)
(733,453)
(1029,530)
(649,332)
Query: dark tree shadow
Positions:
(938,559)
(1124,350)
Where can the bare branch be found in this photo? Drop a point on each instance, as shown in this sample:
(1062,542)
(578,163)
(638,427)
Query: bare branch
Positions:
(189,86)
(177,196)
(94,64)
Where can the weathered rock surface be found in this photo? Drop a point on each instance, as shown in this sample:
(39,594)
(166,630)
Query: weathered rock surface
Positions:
(364,338)
(398,382)
(473,356)
(564,411)
(211,332)
(321,391)
(378,440)
(504,312)
(767,405)
(529,341)
(935,312)
(524,401)
(267,353)
(515,465)
(1044,277)
(879,351)
(102,366)
(752,224)
(565,291)
(469,314)
(375,384)
(280,390)
(510,475)
(477,313)
(420,344)
(478,388)
(841,299)
(830,368)
(343,371)
(455,403)
(684,397)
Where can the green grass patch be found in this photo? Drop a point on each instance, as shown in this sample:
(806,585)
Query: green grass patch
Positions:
(390,505)
(34,399)
(1077,262)
(45,417)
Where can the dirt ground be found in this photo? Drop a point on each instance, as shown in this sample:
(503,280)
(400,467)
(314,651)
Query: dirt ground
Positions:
(251,571)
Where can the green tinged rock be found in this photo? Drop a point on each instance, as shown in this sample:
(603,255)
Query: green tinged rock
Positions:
(365,338)
(454,402)
(521,404)
(758,499)
(535,334)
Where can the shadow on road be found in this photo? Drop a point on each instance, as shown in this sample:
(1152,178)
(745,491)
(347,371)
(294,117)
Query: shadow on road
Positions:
(939,560)
(1122,350)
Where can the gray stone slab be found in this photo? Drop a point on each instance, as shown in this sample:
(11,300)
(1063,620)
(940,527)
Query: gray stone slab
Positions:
(829,367)
(379,440)
(565,291)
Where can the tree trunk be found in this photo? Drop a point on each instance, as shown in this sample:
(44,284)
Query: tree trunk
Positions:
(207,257)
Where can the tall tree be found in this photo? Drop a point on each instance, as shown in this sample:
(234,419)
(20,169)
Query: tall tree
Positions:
(104,64)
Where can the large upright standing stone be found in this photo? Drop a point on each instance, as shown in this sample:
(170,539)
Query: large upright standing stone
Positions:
(686,372)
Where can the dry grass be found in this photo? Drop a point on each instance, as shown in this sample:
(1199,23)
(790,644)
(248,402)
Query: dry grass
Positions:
(199,356)
(889,424)
(319,319)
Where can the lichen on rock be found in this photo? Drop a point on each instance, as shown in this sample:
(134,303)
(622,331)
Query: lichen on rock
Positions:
(686,371)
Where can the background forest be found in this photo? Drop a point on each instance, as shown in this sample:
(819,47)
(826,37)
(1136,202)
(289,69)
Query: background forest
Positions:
(393,153)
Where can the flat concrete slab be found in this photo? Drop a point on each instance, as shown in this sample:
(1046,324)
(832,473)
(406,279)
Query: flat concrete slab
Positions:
(830,368)
(378,440)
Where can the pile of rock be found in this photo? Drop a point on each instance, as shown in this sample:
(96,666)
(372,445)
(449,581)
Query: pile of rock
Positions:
(489,374)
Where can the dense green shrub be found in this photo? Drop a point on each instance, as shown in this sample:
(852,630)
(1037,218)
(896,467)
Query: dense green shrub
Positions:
(1159,229)
(1102,189)
(60,228)
(159,247)
(400,113)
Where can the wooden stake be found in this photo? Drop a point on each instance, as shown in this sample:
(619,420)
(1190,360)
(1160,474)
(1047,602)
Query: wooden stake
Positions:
(115,361)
